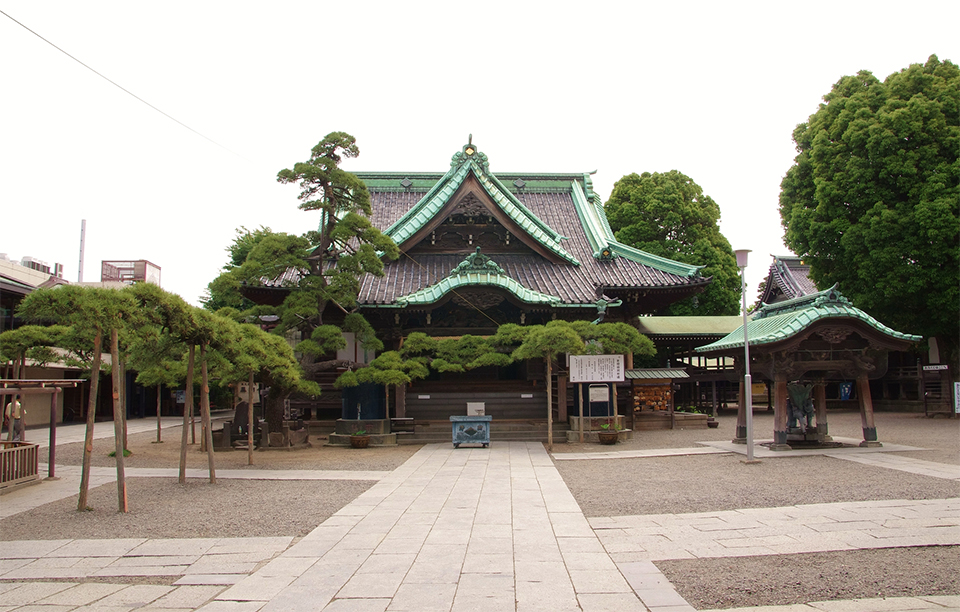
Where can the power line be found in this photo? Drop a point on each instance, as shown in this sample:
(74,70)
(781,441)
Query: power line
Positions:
(118,86)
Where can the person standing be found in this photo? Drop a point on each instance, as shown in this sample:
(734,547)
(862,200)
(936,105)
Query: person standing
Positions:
(16,412)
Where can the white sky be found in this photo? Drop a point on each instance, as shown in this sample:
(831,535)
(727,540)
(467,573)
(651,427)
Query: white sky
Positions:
(712,89)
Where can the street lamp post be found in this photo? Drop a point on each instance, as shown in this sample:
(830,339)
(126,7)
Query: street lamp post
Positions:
(747,379)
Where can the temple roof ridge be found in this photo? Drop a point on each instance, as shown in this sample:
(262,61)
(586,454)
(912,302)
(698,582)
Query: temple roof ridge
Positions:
(469,160)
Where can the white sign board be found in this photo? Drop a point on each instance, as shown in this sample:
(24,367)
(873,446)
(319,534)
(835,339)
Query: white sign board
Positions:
(956,397)
(596,368)
(599,393)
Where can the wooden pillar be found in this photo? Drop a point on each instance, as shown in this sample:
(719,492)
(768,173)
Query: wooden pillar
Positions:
(820,403)
(780,416)
(562,398)
(401,398)
(866,412)
(741,436)
(713,398)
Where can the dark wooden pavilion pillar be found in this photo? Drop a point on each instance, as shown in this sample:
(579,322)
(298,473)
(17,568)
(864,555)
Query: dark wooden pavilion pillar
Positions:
(820,404)
(780,414)
(866,412)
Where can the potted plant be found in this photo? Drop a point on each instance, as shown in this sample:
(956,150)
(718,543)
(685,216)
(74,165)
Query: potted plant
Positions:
(609,433)
(359,439)
(712,422)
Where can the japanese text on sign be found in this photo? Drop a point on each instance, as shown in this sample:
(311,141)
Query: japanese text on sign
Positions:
(596,368)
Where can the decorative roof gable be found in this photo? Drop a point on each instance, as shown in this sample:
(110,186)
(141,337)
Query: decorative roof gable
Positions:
(466,164)
(475,269)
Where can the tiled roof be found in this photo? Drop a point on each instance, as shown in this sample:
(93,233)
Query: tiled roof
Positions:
(572,284)
(781,321)
(654,373)
(789,278)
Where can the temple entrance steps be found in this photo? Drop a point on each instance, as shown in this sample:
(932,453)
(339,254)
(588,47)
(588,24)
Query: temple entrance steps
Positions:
(502,430)
(429,431)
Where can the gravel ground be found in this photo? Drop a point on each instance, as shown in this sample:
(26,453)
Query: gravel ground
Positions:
(796,579)
(702,483)
(161,508)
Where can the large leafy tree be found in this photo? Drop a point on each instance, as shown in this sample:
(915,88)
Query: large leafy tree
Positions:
(667,214)
(871,201)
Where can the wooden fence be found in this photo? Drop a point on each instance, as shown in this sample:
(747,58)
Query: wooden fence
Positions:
(18,464)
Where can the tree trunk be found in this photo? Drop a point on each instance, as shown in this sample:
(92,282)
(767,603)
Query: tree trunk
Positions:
(115,374)
(205,413)
(250,420)
(187,415)
(159,386)
(91,417)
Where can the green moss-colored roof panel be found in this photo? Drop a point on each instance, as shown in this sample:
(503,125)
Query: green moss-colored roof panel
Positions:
(433,293)
(781,321)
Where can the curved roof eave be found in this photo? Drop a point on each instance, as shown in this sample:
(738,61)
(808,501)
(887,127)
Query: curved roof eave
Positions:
(439,195)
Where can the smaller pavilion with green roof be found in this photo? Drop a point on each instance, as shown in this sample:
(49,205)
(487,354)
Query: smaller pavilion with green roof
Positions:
(801,344)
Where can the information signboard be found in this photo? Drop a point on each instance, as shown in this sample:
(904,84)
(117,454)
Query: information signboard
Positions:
(596,368)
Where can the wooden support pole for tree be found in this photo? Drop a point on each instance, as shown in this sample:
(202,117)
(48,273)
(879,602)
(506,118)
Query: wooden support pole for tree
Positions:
(250,420)
(118,420)
(187,415)
(159,386)
(91,417)
(52,455)
(205,413)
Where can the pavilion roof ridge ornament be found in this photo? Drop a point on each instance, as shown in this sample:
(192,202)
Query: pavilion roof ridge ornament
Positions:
(475,263)
(469,153)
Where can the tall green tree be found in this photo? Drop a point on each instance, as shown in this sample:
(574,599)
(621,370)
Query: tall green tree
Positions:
(320,271)
(871,201)
(667,214)
(345,245)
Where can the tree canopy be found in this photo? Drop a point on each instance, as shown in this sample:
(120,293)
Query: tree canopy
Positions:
(871,201)
(667,214)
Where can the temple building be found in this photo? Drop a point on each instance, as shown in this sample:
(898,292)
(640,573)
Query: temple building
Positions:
(479,250)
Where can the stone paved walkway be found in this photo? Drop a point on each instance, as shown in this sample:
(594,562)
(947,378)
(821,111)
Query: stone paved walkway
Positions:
(462,530)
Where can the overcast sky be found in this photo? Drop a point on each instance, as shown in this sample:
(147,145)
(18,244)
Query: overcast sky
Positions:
(712,89)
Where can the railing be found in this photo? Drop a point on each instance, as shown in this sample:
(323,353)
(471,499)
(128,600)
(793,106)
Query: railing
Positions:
(19,462)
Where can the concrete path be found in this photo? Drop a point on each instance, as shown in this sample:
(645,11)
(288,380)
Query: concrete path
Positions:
(461,530)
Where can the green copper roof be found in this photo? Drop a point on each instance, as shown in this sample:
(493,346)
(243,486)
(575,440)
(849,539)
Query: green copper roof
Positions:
(783,320)
(604,244)
(476,269)
(470,160)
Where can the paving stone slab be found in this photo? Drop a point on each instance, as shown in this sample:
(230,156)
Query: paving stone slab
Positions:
(29,592)
(423,598)
(30,549)
(610,602)
(82,594)
(210,579)
(189,597)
